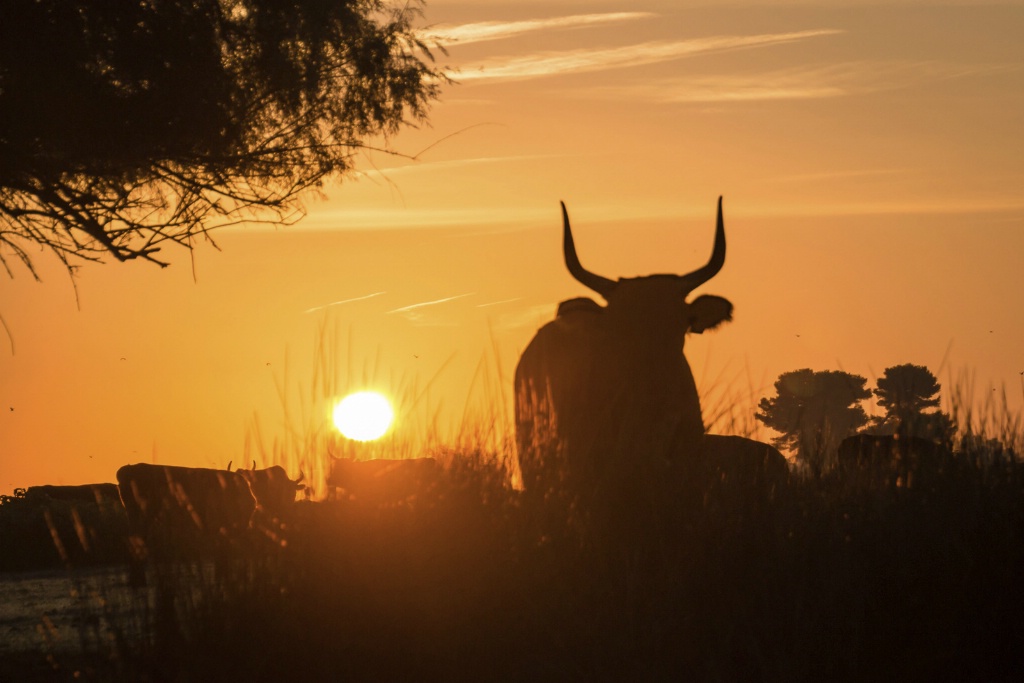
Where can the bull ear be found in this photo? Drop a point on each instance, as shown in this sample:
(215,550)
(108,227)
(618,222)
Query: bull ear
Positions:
(708,312)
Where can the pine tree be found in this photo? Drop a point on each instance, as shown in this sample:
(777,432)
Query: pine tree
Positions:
(909,394)
(814,411)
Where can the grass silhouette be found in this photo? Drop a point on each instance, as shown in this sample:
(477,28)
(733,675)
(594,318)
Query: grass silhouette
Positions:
(658,579)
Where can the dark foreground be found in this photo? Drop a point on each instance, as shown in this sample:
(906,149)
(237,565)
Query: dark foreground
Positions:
(468,581)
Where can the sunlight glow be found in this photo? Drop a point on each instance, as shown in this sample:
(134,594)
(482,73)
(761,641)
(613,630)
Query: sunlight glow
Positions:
(363,416)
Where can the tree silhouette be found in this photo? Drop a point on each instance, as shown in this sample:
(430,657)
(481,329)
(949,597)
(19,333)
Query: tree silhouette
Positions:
(814,412)
(910,396)
(124,126)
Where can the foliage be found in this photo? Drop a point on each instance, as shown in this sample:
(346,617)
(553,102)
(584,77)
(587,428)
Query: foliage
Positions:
(18,495)
(910,394)
(697,578)
(124,126)
(688,582)
(814,411)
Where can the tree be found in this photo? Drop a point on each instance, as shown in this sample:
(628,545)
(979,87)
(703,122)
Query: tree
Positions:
(125,126)
(909,394)
(814,411)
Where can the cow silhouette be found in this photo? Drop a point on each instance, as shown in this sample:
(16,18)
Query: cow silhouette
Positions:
(182,512)
(603,385)
(893,461)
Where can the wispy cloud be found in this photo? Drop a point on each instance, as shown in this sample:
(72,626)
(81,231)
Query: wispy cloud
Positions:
(343,301)
(805,82)
(585,60)
(834,175)
(424,304)
(939,205)
(415,313)
(463,34)
(498,303)
(506,217)
(434,166)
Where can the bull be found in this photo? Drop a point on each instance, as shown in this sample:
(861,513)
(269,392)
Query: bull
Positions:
(178,512)
(600,384)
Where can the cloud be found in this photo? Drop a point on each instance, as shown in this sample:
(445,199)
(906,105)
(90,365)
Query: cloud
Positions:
(585,60)
(788,84)
(932,205)
(414,313)
(341,217)
(498,303)
(463,34)
(412,307)
(434,166)
(343,301)
(834,175)
(805,82)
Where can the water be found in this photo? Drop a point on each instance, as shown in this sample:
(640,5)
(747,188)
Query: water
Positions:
(61,611)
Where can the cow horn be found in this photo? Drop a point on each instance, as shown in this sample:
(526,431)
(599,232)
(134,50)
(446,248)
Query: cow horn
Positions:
(601,285)
(701,275)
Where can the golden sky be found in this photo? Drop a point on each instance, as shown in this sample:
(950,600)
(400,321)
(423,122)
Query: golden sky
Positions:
(872,164)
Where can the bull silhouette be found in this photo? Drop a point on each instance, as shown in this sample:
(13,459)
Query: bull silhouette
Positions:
(600,384)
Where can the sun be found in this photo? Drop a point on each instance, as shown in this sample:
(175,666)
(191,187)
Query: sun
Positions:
(363,416)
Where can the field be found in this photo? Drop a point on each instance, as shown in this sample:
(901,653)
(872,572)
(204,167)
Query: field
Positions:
(464,578)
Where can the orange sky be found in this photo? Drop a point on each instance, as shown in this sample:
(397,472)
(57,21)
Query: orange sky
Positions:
(871,161)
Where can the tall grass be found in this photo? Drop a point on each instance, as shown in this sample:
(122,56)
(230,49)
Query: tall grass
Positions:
(670,577)
(306,440)
(986,422)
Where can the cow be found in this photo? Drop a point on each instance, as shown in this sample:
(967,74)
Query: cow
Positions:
(104,495)
(176,512)
(383,481)
(86,523)
(887,461)
(603,384)
(273,490)
(745,463)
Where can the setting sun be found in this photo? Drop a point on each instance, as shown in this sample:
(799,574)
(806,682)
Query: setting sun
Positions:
(363,416)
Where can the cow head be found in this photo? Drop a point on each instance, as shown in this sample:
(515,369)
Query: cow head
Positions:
(273,489)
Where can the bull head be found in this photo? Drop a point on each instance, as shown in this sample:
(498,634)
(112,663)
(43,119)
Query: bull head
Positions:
(658,301)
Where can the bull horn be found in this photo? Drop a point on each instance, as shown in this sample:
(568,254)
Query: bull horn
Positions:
(601,285)
(302,475)
(701,275)
(229,465)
